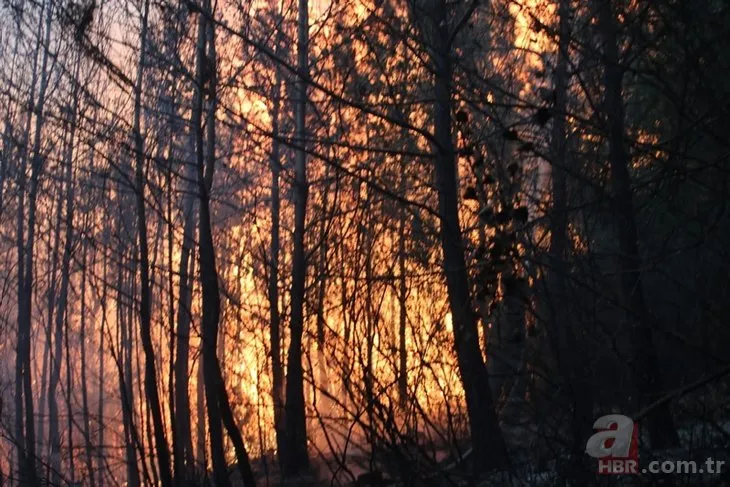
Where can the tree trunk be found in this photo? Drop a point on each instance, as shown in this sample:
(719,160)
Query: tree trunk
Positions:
(125,374)
(84,389)
(242,459)
(62,305)
(322,271)
(567,338)
(145,321)
(177,448)
(489,449)
(20,438)
(201,450)
(402,297)
(295,459)
(216,397)
(46,365)
(277,371)
(100,414)
(208,276)
(179,324)
(645,366)
(25,433)
(5,152)
(69,409)
(183,437)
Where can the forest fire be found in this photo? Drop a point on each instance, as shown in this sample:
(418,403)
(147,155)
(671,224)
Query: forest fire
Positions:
(359,243)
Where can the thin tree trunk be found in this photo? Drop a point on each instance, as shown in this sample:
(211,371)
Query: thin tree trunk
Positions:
(295,459)
(177,459)
(24,392)
(567,338)
(123,330)
(54,435)
(242,459)
(183,437)
(208,275)
(46,365)
(489,449)
(200,429)
(146,425)
(20,438)
(124,319)
(322,270)
(51,307)
(402,297)
(179,418)
(5,155)
(367,240)
(277,371)
(69,409)
(84,389)
(100,413)
(150,372)
(645,366)
(69,168)
(219,408)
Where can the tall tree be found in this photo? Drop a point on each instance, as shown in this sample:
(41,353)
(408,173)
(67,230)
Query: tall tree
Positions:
(566,336)
(645,366)
(183,438)
(25,427)
(277,370)
(62,306)
(124,359)
(489,448)
(209,279)
(85,411)
(295,459)
(145,312)
(216,397)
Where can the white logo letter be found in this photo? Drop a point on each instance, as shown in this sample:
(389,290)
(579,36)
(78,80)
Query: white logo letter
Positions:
(624,427)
